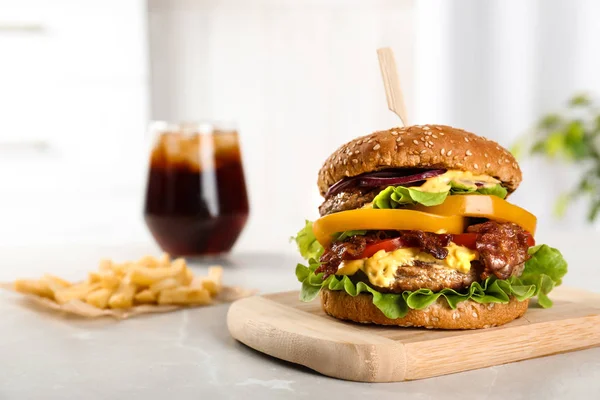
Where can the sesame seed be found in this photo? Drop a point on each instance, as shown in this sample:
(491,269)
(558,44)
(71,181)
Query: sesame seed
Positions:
(449,152)
(430,143)
(347,173)
(441,133)
(357,152)
(395,133)
(497,148)
(425,128)
(400,144)
(488,165)
(474,314)
(485,155)
(466,139)
(423,151)
(434,136)
(359,142)
(369,141)
(376,147)
(459,164)
(438,128)
(415,141)
(442,151)
(475,166)
(507,161)
(345,161)
(468,152)
(423,139)
(355,161)
(455,315)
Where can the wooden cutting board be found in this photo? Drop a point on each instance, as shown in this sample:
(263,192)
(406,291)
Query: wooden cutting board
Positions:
(283,327)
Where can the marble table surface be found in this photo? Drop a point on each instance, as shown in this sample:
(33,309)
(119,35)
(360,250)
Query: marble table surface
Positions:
(189,354)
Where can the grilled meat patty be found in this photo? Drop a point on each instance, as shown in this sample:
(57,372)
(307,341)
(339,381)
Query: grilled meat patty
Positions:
(349,199)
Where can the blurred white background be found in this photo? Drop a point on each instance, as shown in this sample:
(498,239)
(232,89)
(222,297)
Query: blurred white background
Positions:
(80,79)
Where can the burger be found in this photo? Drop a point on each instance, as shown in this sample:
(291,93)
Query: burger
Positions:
(415,230)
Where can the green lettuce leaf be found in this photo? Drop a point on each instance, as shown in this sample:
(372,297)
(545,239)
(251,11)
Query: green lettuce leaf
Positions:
(541,274)
(545,269)
(497,190)
(459,188)
(399,196)
(346,234)
(308,246)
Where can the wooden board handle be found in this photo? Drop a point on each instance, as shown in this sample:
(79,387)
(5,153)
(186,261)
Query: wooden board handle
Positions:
(391,83)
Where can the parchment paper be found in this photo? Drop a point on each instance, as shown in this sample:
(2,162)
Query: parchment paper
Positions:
(82,309)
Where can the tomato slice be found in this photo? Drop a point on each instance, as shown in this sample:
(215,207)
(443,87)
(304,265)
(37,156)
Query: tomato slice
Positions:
(465,239)
(386,245)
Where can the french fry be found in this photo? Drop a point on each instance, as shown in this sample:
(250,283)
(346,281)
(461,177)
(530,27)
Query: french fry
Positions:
(189,276)
(148,280)
(105,265)
(212,283)
(99,298)
(184,296)
(148,262)
(168,283)
(146,296)
(57,280)
(147,276)
(123,297)
(94,277)
(120,269)
(35,287)
(165,260)
(178,263)
(55,284)
(78,291)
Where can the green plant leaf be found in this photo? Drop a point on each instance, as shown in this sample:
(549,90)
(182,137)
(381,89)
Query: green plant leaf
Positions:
(555,143)
(550,122)
(580,100)
(560,207)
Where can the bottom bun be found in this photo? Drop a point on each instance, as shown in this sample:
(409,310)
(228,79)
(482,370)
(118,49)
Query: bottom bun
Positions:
(467,315)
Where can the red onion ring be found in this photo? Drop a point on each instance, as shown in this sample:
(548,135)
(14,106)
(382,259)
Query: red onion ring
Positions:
(382,178)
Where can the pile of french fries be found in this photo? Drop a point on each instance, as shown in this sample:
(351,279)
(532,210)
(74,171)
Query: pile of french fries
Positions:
(150,280)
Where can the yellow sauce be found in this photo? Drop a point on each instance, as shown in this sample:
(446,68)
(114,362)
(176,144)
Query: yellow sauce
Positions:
(382,266)
(441,183)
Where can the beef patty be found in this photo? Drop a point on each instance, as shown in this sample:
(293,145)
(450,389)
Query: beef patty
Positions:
(348,200)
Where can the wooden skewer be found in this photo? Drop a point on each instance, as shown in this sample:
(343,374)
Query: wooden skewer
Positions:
(391,83)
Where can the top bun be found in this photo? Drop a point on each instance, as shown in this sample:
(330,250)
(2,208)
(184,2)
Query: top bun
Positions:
(422,146)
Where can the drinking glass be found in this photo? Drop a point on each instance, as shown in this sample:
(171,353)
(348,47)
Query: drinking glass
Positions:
(196,202)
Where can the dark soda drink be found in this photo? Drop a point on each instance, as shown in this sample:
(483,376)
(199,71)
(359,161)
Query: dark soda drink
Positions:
(196,200)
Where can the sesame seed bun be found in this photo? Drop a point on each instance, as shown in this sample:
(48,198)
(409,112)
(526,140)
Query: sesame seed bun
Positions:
(425,146)
(467,315)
